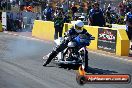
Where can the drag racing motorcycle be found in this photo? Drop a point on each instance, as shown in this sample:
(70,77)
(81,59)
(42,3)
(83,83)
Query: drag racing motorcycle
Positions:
(76,52)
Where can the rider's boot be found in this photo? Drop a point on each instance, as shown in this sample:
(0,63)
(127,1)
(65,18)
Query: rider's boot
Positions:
(50,57)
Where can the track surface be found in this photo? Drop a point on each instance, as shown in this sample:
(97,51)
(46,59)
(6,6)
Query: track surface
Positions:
(21,66)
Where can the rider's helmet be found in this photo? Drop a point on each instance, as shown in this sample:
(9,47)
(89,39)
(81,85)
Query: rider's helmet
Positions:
(78,26)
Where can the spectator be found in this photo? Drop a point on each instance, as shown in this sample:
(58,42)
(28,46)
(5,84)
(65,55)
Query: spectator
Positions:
(65,6)
(128,7)
(108,15)
(0,5)
(55,11)
(4,5)
(9,23)
(80,9)
(58,10)
(48,13)
(122,7)
(74,10)
(89,7)
(96,17)
(29,8)
(58,25)
(128,20)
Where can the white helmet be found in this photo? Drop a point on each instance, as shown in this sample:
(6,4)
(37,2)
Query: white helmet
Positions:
(78,25)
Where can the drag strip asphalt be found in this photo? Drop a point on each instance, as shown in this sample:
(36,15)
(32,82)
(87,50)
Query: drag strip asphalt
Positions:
(21,66)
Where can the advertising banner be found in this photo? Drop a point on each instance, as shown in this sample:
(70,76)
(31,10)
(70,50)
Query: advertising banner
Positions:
(107,40)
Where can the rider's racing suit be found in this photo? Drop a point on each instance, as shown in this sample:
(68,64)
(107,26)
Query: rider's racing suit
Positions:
(70,34)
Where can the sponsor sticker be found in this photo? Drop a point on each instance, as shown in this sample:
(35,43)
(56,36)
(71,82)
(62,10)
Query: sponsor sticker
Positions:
(107,40)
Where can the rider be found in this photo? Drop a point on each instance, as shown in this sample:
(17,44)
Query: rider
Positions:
(70,34)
